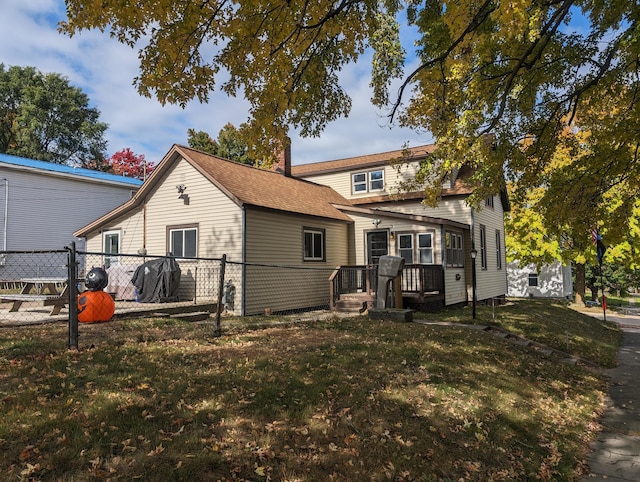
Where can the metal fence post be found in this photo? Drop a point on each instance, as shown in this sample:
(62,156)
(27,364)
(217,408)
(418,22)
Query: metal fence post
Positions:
(223,262)
(72,283)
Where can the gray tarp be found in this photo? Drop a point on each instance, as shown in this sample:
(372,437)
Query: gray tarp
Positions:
(157,281)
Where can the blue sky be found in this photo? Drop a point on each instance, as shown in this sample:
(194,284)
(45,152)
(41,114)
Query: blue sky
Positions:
(104,69)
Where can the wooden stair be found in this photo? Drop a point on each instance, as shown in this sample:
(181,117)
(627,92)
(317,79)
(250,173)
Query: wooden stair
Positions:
(354,302)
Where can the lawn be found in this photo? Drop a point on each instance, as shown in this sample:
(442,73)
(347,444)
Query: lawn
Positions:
(351,399)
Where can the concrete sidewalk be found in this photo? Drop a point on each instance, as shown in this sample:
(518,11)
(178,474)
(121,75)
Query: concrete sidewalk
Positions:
(616,452)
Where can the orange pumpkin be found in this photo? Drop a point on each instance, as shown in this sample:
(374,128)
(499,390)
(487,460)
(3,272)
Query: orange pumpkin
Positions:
(95,306)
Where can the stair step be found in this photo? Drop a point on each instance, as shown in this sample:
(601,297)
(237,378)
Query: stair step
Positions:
(356,296)
(351,305)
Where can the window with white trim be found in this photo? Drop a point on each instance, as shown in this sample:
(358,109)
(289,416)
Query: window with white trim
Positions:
(314,244)
(183,241)
(111,247)
(498,250)
(425,248)
(454,249)
(362,182)
(533,279)
(405,247)
(489,202)
(483,247)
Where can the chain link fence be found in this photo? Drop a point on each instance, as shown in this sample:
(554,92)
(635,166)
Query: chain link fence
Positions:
(37,286)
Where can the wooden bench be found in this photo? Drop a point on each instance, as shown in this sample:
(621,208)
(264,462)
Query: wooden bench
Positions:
(57,302)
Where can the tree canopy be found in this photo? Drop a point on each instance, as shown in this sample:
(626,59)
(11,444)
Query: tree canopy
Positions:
(502,86)
(230,144)
(127,163)
(43,117)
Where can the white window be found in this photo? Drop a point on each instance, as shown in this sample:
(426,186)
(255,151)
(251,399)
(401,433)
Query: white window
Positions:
(417,246)
(489,202)
(405,247)
(183,242)
(111,247)
(376,180)
(362,182)
(425,248)
(314,244)
(454,249)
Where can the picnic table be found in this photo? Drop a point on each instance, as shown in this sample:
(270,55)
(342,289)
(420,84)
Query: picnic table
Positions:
(51,291)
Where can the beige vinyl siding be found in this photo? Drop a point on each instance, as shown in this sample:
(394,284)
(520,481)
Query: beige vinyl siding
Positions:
(454,209)
(274,238)
(218,218)
(455,290)
(219,222)
(341,181)
(131,234)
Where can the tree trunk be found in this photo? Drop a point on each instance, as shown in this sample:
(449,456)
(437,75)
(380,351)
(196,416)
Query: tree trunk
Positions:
(580,284)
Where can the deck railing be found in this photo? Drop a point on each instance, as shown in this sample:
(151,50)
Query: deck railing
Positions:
(417,279)
(423,279)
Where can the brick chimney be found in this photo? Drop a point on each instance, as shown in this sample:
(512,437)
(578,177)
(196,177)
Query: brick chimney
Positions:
(283,158)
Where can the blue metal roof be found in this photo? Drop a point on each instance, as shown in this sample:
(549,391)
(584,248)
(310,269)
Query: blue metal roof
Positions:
(73,171)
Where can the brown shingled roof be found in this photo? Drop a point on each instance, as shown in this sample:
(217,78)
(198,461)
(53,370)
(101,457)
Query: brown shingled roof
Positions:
(258,187)
(244,184)
(370,160)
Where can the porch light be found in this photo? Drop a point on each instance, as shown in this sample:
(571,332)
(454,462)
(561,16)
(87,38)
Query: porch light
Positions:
(182,195)
(376,222)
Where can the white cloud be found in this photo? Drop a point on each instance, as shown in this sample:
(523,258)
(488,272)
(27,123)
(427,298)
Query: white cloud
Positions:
(104,69)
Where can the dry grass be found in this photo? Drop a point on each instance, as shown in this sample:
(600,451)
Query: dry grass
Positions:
(346,399)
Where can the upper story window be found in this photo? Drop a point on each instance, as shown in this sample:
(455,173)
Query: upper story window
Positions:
(454,249)
(363,182)
(489,202)
(314,242)
(183,241)
(533,279)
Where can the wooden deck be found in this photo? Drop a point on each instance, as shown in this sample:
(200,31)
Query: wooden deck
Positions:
(353,288)
(34,312)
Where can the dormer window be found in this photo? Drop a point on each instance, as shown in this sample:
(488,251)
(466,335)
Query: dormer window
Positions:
(363,182)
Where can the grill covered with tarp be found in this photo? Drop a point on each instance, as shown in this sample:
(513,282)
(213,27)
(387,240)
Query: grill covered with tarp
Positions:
(157,281)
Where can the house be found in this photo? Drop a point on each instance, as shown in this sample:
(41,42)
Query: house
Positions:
(319,216)
(195,205)
(43,203)
(389,223)
(549,281)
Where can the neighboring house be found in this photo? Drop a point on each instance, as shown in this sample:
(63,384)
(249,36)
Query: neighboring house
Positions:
(550,281)
(389,223)
(326,214)
(44,203)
